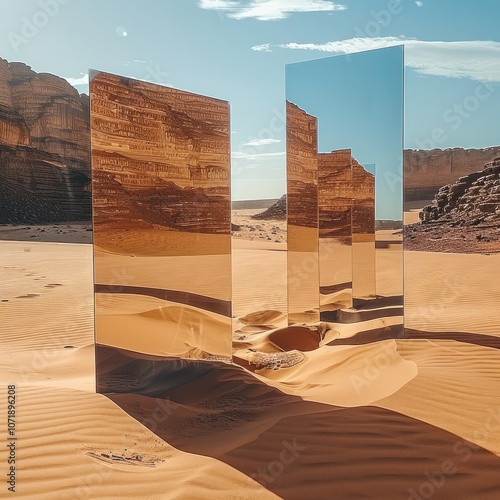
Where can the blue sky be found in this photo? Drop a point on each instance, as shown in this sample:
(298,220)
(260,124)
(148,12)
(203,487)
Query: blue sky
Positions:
(237,50)
(358,100)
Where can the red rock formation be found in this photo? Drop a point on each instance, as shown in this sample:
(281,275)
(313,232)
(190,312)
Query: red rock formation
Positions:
(44,147)
(160,156)
(363,194)
(335,193)
(302,167)
(463,217)
(426,171)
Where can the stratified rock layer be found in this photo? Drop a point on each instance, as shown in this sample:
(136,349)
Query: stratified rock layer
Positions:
(425,171)
(44,148)
(463,217)
(473,199)
(160,158)
(302,167)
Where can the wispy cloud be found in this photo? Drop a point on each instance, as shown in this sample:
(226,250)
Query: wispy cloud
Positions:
(269,10)
(477,59)
(241,155)
(419,4)
(261,142)
(83,80)
(265,47)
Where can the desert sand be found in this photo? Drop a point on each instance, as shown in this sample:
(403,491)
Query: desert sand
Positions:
(300,414)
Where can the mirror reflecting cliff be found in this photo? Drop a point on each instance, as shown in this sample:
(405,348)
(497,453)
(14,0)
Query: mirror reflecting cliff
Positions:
(161,213)
(356,104)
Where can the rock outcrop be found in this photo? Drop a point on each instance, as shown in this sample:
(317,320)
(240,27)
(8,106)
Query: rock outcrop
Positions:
(44,148)
(463,217)
(473,199)
(277,211)
(426,171)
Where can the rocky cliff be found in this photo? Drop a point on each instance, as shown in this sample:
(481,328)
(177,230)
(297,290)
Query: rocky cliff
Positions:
(463,217)
(160,158)
(426,171)
(302,167)
(44,148)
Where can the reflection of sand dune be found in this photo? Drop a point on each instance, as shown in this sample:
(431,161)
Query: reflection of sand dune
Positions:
(206,275)
(160,241)
(155,326)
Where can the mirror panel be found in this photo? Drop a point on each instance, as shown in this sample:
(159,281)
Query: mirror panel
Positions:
(161,213)
(357,101)
(302,215)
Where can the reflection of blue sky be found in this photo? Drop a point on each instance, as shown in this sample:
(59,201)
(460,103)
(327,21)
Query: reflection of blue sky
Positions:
(358,100)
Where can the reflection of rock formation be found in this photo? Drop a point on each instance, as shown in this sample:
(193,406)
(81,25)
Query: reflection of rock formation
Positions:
(302,167)
(160,157)
(335,194)
(426,171)
(44,147)
(344,185)
(363,194)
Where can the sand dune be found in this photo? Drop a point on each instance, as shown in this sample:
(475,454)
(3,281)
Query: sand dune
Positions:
(46,294)
(300,449)
(460,384)
(310,417)
(77,445)
(452,292)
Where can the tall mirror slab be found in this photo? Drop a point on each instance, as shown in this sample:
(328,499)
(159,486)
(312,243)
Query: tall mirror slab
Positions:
(161,213)
(335,229)
(357,103)
(302,214)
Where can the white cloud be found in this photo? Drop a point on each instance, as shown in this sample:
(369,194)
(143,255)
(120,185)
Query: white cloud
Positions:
(241,155)
(265,47)
(261,142)
(419,4)
(269,10)
(83,80)
(478,59)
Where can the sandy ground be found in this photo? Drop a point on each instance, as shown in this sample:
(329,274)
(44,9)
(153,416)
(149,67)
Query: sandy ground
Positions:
(307,418)
(71,232)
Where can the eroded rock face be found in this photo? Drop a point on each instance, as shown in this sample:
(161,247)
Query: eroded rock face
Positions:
(302,167)
(426,171)
(160,158)
(464,216)
(473,199)
(44,148)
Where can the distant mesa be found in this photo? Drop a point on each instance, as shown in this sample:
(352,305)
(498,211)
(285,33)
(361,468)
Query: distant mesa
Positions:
(44,148)
(426,171)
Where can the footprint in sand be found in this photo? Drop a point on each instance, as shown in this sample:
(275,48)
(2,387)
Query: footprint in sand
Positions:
(52,285)
(133,459)
(28,296)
